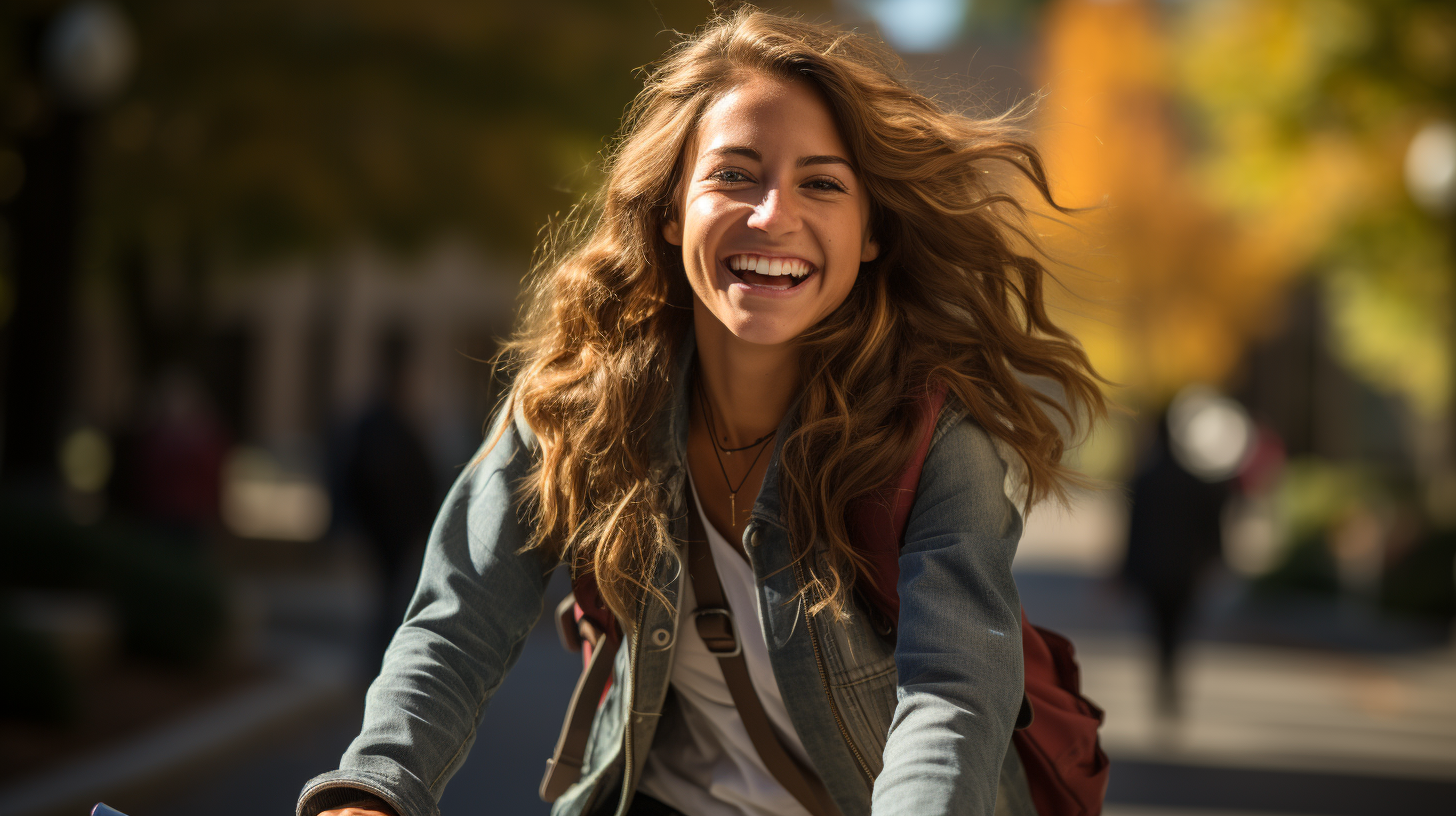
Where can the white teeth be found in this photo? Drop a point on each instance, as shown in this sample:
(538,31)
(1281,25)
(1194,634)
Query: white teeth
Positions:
(772,267)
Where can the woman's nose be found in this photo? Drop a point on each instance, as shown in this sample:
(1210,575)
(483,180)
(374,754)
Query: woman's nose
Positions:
(775,214)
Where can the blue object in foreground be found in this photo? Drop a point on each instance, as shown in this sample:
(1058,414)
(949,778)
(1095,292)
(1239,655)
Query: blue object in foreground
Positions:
(102,810)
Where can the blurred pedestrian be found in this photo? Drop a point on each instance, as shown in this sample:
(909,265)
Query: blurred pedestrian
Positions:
(1174,538)
(390,487)
(170,469)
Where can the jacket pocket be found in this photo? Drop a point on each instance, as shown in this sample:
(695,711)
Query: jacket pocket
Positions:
(867,706)
(863,680)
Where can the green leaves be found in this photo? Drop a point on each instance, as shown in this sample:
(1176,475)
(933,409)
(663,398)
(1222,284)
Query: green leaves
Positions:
(270,127)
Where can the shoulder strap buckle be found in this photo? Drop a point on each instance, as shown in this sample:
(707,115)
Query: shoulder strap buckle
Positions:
(718,630)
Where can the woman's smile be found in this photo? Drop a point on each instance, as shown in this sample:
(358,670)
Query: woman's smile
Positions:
(774,222)
(768,276)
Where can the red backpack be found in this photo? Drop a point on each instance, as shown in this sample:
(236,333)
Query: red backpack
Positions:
(1066,769)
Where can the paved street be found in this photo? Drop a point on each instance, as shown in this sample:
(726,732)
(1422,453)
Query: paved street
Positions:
(1291,706)
(1279,731)
(499,776)
(1278,708)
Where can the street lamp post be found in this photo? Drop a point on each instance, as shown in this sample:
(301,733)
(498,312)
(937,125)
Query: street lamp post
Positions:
(75,61)
(1430,177)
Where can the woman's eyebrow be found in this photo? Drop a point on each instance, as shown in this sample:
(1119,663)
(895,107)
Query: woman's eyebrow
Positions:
(805,161)
(815,160)
(736,150)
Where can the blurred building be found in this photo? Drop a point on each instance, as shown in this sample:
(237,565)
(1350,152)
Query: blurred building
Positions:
(290,356)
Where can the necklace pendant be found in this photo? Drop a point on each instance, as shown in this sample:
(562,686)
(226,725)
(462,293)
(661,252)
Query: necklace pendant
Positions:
(733,508)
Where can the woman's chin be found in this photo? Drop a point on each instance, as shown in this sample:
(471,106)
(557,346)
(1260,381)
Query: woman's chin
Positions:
(764,338)
(754,321)
(755,329)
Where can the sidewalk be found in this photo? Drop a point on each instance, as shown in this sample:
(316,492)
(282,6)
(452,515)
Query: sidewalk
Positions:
(1290,706)
(310,630)
(1279,730)
(1255,706)
(248,754)
(174,751)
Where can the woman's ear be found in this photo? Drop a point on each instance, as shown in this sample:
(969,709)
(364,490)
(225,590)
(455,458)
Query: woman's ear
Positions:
(870,250)
(672,229)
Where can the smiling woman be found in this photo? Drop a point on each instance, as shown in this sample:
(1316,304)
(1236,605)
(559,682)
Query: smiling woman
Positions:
(795,274)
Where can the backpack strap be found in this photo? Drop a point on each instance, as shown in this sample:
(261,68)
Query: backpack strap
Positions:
(877,522)
(563,769)
(589,604)
(715,624)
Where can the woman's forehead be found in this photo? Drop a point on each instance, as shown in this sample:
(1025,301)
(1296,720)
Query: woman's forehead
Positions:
(764,114)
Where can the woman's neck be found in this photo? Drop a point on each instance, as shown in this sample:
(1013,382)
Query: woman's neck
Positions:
(749,387)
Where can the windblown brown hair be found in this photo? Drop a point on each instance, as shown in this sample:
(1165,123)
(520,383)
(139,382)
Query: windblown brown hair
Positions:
(954,301)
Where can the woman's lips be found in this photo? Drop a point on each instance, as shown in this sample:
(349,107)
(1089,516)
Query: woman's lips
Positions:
(773,281)
(759,283)
(769,265)
(754,283)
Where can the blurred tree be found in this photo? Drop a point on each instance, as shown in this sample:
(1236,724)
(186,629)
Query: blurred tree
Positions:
(1163,287)
(1237,144)
(1304,112)
(269,127)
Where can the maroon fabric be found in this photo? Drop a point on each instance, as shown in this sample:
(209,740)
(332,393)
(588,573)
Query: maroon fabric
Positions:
(585,589)
(589,605)
(877,522)
(1064,763)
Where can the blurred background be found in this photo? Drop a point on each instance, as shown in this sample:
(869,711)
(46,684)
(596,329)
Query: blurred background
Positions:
(253,256)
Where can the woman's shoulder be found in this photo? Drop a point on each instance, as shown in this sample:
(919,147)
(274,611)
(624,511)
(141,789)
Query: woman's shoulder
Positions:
(965,453)
(509,443)
(509,426)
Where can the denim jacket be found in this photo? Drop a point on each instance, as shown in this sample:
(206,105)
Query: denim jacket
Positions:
(919,727)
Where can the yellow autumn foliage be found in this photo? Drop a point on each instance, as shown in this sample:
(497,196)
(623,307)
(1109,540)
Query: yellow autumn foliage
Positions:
(1228,157)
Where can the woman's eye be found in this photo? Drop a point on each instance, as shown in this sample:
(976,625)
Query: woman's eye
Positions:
(826,185)
(730,176)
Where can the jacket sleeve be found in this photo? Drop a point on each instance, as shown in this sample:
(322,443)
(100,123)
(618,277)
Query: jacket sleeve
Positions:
(958,653)
(478,597)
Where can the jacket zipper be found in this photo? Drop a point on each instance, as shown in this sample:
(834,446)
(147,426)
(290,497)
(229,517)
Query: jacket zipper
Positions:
(631,703)
(824,680)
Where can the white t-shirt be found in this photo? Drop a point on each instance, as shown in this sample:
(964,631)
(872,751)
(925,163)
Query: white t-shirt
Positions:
(709,766)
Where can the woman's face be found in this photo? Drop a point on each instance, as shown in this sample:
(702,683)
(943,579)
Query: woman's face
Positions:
(773,221)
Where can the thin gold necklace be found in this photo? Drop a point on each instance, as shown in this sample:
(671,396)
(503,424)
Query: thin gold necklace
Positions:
(718,457)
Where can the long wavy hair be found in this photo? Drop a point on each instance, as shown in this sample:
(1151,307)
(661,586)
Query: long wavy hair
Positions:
(954,302)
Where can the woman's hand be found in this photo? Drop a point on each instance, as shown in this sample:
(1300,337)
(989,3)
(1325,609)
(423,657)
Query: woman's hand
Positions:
(364,806)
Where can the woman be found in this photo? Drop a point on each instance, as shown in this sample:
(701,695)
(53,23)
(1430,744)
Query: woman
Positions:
(791,249)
